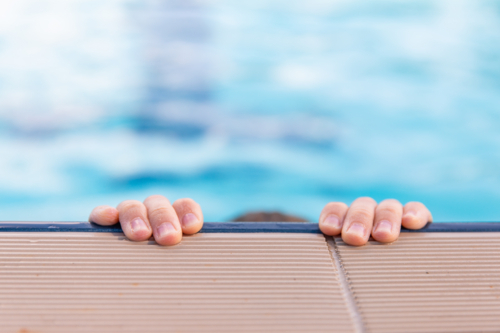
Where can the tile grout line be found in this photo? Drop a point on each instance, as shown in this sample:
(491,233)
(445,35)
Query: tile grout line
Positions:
(352,306)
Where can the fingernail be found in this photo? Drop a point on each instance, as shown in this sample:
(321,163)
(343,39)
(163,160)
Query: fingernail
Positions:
(332,221)
(138,224)
(165,229)
(357,229)
(384,227)
(189,220)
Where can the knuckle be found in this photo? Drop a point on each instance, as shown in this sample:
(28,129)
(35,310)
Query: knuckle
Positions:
(341,205)
(414,205)
(185,203)
(365,201)
(335,206)
(390,202)
(158,212)
(155,198)
(129,204)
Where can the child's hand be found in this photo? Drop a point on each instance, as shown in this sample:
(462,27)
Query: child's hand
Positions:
(156,216)
(365,217)
(167,223)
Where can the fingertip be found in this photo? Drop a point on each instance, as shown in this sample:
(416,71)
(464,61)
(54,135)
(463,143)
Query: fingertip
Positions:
(104,215)
(191,224)
(355,235)
(387,223)
(190,215)
(134,221)
(166,234)
(358,222)
(137,229)
(331,225)
(416,216)
(385,232)
(414,221)
(332,218)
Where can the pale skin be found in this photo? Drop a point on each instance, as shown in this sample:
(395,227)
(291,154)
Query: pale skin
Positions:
(168,222)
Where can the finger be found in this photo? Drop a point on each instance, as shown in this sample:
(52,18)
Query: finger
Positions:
(134,220)
(189,214)
(415,215)
(164,221)
(359,221)
(332,217)
(387,224)
(104,215)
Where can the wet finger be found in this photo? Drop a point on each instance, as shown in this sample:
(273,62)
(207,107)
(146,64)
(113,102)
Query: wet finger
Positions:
(415,215)
(359,221)
(332,217)
(189,214)
(387,223)
(164,221)
(134,221)
(104,215)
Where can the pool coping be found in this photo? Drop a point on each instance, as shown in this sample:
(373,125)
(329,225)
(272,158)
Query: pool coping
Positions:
(237,227)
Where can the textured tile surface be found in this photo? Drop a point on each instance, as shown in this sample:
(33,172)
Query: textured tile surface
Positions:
(427,282)
(240,282)
(86,282)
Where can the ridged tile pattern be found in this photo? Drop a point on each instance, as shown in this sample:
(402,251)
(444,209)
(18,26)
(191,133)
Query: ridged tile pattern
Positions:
(426,282)
(89,282)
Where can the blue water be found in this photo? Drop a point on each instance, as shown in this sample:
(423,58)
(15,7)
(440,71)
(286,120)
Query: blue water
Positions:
(249,105)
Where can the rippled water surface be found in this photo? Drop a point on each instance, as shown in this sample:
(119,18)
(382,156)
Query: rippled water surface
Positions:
(249,105)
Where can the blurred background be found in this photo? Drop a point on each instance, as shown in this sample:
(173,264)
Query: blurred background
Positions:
(250,104)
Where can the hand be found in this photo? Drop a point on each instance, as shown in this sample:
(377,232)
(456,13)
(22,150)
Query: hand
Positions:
(365,217)
(156,216)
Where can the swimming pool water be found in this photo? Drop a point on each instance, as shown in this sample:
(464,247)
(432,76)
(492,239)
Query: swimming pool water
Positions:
(251,105)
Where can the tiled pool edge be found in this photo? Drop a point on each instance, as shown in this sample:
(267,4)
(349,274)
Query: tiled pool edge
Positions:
(235,227)
(351,303)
